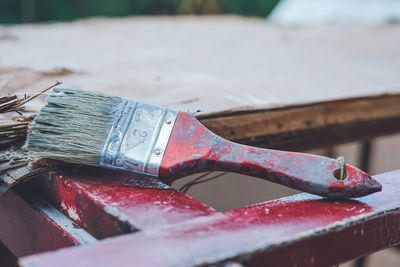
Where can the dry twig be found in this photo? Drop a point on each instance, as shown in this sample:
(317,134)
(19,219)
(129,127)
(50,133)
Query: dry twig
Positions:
(13,161)
(13,132)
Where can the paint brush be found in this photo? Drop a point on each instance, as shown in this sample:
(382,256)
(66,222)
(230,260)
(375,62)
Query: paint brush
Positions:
(112,132)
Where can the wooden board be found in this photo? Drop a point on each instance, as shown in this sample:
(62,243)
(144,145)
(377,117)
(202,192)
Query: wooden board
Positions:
(248,76)
(223,66)
(30,225)
(208,63)
(314,125)
(256,82)
(109,203)
(300,230)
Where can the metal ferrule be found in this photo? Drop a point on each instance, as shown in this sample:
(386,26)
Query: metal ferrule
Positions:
(138,138)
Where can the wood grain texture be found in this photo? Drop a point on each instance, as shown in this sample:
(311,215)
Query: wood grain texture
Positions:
(311,125)
(210,63)
(222,63)
(256,82)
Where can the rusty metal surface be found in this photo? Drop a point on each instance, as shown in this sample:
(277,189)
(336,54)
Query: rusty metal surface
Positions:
(30,225)
(108,203)
(301,230)
(193,148)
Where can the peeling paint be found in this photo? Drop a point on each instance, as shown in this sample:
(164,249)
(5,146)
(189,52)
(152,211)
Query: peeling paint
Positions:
(253,237)
(73,214)
(193,149)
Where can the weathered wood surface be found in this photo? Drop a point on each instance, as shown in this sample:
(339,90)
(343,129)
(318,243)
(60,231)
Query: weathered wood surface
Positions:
(313,125)
(257,82)
(301,230)
(108,203)
(14,168)
(219,64)
(215,64)
(14,121)
(231,68)
(208,63)
(29,225)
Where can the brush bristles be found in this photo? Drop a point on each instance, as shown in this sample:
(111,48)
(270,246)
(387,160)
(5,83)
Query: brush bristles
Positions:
(72,127)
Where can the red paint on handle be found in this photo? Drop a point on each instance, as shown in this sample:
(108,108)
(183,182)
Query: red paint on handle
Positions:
(193,148)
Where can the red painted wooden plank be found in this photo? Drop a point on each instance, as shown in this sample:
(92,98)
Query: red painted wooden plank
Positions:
(108,203)
(302,230)
(30,225)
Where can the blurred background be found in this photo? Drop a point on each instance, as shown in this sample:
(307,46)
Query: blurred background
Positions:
(232,191)
(295,11)
(12,11)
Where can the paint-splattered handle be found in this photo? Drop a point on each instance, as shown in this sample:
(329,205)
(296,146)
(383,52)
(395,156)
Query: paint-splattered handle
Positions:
(193,148)
(306,172)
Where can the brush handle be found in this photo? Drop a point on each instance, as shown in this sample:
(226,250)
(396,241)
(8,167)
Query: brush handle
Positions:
(192,148)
